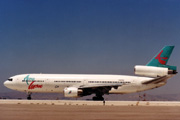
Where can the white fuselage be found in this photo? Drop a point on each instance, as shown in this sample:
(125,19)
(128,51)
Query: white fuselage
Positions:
(55,83)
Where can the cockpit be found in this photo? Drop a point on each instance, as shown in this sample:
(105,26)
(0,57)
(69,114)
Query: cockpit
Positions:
(9,83)
(10,79)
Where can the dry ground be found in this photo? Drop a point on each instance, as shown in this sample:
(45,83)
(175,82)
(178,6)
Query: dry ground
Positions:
(77,112)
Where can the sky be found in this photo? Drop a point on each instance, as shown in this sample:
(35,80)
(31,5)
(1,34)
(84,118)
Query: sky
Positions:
(87,37)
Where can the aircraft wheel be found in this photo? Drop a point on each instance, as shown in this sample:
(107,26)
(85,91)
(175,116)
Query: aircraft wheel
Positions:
(29,98)
(99,98)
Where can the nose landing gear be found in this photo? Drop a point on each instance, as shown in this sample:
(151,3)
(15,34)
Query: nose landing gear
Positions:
(29,96)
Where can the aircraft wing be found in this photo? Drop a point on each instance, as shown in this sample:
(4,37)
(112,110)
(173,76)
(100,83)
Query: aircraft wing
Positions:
(101,85)
(156,80)
(98,88)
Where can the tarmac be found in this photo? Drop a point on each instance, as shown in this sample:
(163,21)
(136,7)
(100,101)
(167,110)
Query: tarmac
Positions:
(92,103)
(88,110)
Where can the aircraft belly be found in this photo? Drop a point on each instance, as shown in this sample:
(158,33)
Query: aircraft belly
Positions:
(124,89)
(134,88)
(151,86)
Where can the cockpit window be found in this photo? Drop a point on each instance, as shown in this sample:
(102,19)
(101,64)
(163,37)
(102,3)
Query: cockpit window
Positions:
(10,79)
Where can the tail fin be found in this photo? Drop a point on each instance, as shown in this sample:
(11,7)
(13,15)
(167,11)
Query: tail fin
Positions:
(161,59)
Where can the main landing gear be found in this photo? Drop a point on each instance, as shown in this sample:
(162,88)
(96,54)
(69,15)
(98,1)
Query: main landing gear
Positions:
(98,98)
(29,96)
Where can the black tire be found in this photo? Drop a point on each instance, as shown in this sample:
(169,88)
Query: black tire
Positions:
(95,98)
(98,98)
(29,98)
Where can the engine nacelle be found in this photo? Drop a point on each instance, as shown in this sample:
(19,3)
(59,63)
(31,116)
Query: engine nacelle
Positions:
(72,92)
(151,71)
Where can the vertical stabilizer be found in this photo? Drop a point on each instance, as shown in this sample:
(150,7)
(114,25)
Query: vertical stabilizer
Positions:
(161,59)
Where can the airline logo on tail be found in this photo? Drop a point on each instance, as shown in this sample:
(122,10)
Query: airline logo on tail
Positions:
(161,60)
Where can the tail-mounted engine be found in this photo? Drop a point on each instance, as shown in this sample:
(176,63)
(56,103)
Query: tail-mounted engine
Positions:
(151,71)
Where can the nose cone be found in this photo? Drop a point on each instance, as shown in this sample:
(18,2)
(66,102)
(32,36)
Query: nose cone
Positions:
(5,83)
(8,84)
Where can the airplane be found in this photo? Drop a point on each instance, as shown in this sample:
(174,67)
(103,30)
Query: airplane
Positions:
(152,75)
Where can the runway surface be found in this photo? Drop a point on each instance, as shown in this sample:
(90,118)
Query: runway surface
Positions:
(51,110)
(94,103)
